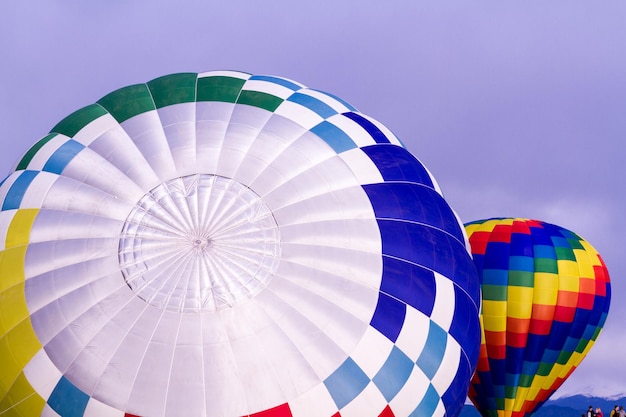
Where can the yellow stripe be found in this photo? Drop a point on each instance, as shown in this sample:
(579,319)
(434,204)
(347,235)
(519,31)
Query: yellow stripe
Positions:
(18,341)
(21,400)
(17,348)
(19,230)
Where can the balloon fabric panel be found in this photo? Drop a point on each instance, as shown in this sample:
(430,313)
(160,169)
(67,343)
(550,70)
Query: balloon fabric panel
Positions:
(546,294)
(231,244)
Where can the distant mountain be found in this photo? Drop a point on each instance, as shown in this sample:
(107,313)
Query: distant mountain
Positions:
(563,407)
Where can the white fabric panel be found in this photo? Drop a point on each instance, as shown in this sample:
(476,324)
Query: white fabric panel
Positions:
(146,131)
(268,87)
(354,233)
(449,365)
(335,261)
(313,403)
(313,184)
(238,140)
(147,389)
(302,115)
(358,134)
(224,389)
(407,400)
(388,133)
(8,182)
(36,192)
(49,412)
(359,280)
(180,129)
(52,225)
(91,169)
(42,374)
(369,401)
(234,74)
(96,408)
(45,152)
(328,206)
(436,184)
(372,352)
(284,128)
(115,146)
(335,104)
(76,308)
(72,253)
(69,195)
(362,167)
(95,129)
(300,157)
(46,287)
(443,310)
(211,125)
(6,217)
(186,394)
(318,315)
(259,157)
(414,333)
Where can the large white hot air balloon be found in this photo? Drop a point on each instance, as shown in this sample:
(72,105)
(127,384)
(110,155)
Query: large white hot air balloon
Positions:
(227,244)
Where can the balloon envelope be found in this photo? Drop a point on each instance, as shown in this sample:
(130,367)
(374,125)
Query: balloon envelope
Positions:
(545,297)
(228,244)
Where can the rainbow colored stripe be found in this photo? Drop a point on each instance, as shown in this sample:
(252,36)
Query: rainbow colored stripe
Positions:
(546,295)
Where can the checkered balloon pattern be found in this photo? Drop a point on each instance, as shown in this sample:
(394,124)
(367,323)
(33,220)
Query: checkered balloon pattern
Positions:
(228,244)
(545,298)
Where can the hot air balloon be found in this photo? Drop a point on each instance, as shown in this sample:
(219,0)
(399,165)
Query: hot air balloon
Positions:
(545,298)
(228,244)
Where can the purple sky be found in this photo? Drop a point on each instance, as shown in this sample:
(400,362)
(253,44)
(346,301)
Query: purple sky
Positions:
(517,108)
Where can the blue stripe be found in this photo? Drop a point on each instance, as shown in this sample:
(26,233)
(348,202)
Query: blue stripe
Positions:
(431,356)
(375,133)
(429,403)
(413,202)
(465,328)
(342,101)
(497,256)
(388,316)
(544,251)
(395,163)
(62,156)
(456,393)
(409,283)
(394,373)
(521,263)
(280,81)
(346,383)
(432,249)
(335,137)
(67,400)
(314,104)
(14,196)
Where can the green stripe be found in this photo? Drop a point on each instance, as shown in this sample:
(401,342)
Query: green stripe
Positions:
(259,99)
(564,253)
(30,154)
(173,89)
(546,265)
(219,88)
(128,102)
(494,292)
(544,369)
(525,380)
(563,357)
(521,279)
(79,119)
(510,391)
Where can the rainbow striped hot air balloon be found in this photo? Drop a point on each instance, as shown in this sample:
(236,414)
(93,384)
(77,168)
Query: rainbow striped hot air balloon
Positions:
(546,294)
